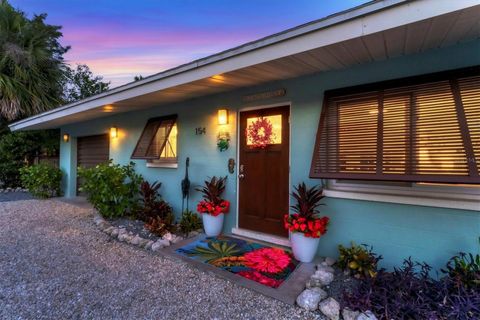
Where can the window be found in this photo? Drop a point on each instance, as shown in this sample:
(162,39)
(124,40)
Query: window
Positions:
(276,121)
(158,142)
(422,129)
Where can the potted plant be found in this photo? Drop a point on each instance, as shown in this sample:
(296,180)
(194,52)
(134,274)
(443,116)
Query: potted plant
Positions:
(213,207)
(306,226)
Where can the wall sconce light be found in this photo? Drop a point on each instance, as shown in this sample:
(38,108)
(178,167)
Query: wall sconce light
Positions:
(222,116)
(66,137)
(113,132)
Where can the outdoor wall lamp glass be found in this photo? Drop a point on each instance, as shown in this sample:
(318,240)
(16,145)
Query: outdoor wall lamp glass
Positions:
(113,132)
(222,116)
(66,137)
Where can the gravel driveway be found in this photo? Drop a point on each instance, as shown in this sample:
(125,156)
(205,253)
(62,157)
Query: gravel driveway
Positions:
(55,264)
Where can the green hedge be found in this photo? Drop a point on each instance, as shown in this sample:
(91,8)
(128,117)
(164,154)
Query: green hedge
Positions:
(42,180)
(111,188)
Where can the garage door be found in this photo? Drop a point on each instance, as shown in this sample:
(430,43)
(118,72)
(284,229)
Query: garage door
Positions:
(92,150)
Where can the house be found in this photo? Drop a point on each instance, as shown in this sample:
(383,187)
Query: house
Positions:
(380,104)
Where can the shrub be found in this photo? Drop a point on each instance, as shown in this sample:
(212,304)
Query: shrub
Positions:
(360,261)
(111,188)
(151,203)
(410,293)
(190,222)
(42,180)
(464,270)
(161,226)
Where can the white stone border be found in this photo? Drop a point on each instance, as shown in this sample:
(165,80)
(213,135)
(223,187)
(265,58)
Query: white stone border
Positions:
(121,234)
(9,190)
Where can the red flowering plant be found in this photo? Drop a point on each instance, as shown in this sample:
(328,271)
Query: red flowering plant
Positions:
(212,202)
(306,216)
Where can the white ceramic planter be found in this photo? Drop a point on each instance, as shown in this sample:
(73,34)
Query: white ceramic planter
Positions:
(212,225)
(304,249)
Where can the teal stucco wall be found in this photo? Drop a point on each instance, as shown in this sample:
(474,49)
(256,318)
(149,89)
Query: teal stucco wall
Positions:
(396,231)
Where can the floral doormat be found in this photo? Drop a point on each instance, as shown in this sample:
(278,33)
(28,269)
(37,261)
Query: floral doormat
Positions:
(270,266)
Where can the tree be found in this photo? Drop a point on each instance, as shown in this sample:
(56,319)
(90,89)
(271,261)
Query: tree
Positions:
(138,78)
(31,64)
(81,83)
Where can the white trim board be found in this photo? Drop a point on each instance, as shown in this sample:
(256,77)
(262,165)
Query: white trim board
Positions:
(403,199)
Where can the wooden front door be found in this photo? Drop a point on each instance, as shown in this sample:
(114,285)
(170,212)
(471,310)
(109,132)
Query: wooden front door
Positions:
(264,174)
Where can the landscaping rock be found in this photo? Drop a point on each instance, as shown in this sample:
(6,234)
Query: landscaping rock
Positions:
(123,237)
(177,239)
(114,232)
(367,315)
(109,230)
(330,308)
(136,240)
(323,276)
(348,314)
(314,283)
(149,244)
(193,234)
(310,298)
(157,246)
(325,268)
(168,236)
(329,261)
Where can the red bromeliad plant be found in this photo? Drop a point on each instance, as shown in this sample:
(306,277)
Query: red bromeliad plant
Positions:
(212,202)
(306,217)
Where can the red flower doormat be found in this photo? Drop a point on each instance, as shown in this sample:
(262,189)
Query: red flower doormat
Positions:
(269,266)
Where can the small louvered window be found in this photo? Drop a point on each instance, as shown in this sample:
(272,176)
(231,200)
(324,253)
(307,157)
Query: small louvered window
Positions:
(424,130)
(156,141)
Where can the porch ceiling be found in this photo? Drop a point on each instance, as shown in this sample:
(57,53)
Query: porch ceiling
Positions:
(361,37)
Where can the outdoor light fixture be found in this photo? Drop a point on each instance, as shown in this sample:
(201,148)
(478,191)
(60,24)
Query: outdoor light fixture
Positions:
(113,132)
(222,116)
(66,137)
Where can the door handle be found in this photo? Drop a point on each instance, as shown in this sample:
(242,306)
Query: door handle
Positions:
(241,175)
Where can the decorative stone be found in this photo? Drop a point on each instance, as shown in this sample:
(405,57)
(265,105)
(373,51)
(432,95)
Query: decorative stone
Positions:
(157,246)
(329,261)
(192,234)
(149,244)
(325,268)
(323,276)
(123,236)
(330,308)
(314,283)
(164,242)
(122,230)
(348,314)
(367,315)
(18,189)
(136,240)
(310,298)
(177,239)
(109,230)
(168,236)
(114,232)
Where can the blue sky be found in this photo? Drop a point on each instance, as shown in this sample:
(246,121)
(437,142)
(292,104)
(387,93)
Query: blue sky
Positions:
(121,39)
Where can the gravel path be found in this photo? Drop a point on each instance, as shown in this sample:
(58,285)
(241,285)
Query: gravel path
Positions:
(55,264)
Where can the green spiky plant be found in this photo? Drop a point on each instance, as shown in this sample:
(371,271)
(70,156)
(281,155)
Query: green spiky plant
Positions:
(213,189)
(215,251)
(307,200)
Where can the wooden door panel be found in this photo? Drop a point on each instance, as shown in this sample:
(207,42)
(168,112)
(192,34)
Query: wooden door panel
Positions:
(263,191)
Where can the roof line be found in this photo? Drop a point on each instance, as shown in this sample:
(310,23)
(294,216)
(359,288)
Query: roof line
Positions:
(325,22)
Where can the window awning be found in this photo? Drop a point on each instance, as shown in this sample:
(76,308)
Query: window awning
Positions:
(422,129)
(375,31)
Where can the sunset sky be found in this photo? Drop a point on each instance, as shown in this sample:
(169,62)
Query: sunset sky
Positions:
(121,39)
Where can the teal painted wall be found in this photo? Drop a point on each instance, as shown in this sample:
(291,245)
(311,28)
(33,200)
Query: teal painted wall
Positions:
(396,231)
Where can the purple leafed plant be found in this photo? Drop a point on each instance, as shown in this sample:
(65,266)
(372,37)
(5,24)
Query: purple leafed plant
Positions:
(410,293)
